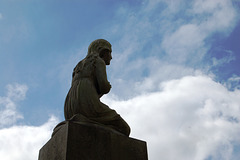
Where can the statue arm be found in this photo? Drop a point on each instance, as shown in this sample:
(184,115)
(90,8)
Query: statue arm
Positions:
(101,75)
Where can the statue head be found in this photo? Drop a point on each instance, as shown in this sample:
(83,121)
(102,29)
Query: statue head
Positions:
(101,47)
(98,45)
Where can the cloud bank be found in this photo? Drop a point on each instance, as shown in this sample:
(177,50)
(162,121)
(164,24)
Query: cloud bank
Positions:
(192,117)
(189,118)
(20,142)
(24,142)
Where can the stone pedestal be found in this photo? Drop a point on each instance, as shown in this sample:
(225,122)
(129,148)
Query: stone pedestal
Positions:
(91,142)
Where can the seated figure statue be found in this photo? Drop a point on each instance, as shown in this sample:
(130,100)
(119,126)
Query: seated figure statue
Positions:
(89,83)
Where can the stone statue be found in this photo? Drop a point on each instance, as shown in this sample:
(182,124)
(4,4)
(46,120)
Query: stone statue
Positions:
(91,130)
(89,83)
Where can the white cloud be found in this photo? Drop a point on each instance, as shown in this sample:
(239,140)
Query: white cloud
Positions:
(216,15)
(222,61)
(191,118)
(20,141)
(24,142)
(8,104)
(164,40)
(188,42)
(186,45)
(233,82)
(16,91)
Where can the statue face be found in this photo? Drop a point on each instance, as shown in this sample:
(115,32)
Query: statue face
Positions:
(106,55)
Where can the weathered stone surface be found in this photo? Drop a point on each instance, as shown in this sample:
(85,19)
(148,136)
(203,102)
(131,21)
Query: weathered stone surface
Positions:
(91,142)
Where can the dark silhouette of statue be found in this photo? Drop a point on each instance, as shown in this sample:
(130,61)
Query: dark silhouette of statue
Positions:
(92,130)
(89,83)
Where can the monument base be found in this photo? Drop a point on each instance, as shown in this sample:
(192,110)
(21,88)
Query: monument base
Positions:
(75,141)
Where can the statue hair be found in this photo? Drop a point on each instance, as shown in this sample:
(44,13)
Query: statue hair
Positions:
(98,45)
(94,50)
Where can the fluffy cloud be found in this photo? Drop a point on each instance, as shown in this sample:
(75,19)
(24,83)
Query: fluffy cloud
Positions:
(24,142)
(20,141)
(188,42)
(8,104)
(189,118)
(216,15)
(192,117)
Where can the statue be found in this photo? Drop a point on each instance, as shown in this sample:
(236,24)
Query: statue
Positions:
(89,84)
(91,129)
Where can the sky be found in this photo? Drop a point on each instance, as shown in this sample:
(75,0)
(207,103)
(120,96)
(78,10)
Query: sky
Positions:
(175,72)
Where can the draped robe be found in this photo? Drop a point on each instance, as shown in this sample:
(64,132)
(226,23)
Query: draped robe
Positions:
(89,83)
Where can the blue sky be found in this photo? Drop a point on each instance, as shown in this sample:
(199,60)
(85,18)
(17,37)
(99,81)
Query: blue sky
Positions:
(175,71)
